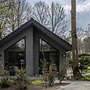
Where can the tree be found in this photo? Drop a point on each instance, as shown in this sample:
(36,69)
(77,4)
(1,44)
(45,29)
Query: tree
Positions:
(52,16)
(81,36)
(56,16)
(75,68)
(17,13)
(40,12)
(4,8)
(12,15)
(28,12)
(87,44)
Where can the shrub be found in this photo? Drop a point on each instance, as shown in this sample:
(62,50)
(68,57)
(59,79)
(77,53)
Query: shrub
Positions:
(70,60)
(70,77)
(5,79)
(49,74)
(22,79)
(61,75)
(84,61)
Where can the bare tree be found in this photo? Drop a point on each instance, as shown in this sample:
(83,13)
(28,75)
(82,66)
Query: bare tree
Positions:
(12,15)
(52,16)
(29,12)
(17,13)
(40,12)
(81,36)
(56,16)
(86,45)
(86,40)
(4,8)
(21,7)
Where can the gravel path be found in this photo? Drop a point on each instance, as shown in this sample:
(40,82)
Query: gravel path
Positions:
(76,85)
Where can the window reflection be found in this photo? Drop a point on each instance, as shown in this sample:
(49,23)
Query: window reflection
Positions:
(15,55)
(48,53)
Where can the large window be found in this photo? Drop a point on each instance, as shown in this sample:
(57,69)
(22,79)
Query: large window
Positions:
(15,56)
(48,53)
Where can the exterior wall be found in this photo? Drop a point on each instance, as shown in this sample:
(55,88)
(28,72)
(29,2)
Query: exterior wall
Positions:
(36,54)
(29,48)
(62,61)
(29,52)
(32,50)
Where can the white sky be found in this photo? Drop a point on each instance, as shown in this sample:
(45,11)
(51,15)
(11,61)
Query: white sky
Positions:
(83,10)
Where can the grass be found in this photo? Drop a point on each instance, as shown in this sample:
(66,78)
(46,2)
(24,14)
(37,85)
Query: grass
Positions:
(87,76)
(88,70)
(37,82)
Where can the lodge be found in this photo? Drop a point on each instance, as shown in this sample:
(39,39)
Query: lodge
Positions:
(30,44)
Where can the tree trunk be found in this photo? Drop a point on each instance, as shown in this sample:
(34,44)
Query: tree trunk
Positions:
(75,68)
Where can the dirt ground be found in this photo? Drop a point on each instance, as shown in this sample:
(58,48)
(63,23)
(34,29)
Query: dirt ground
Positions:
(35,87)
(55,87)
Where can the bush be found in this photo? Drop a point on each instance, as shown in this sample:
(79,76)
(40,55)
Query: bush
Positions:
(70,60)
(49,74)
(84,61)
(5,79)
(70,77)
(22,79)
(61,75)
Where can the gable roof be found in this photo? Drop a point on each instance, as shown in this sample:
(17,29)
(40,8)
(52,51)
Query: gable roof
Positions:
(40,27)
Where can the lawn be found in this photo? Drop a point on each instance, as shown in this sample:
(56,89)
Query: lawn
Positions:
(87,76)
(88,70)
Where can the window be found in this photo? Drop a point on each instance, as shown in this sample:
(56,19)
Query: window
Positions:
(15,56)
(49,53)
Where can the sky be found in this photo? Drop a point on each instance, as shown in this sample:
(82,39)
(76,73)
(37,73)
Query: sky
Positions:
(82,14)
